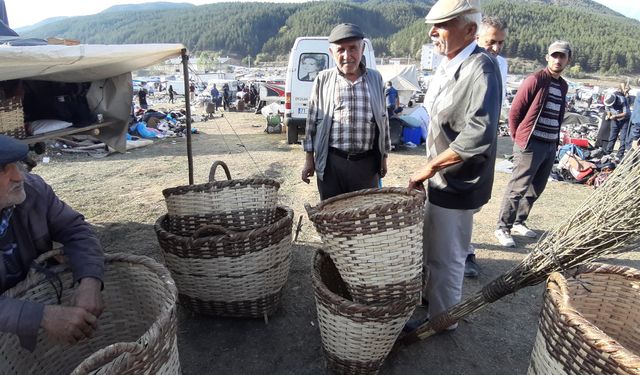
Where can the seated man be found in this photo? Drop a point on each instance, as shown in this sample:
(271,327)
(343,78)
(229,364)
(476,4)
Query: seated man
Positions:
(31,217)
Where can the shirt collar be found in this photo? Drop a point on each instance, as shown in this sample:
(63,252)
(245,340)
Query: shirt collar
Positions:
(450,67)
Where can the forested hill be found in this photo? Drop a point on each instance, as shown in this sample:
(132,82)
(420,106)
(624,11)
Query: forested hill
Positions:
(604,40)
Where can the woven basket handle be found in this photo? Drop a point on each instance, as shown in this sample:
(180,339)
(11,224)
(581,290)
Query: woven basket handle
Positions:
(310,210)
(210,229)
(106,355)
(214,166)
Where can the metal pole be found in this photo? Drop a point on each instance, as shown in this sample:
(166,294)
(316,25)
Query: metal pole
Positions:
(187,103)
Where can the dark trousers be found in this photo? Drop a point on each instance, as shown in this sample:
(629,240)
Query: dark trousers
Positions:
(619,129)
(632,135)
(344,176)
(532,167)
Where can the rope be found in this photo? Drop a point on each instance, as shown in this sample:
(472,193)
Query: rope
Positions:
(241,144)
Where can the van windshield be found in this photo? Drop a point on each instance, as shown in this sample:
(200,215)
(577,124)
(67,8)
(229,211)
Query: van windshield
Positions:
(310,64)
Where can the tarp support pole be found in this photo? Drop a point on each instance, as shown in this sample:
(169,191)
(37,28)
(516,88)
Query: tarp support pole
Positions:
(187,103)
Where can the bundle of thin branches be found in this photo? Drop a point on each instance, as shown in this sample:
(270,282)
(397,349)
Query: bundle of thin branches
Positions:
(607,222)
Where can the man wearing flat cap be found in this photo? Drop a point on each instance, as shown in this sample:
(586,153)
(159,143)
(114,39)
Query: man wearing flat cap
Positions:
(347,131)
(31,218)
(535,117)
(463,101)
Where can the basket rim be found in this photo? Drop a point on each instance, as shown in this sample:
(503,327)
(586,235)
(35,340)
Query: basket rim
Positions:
(212,185)
(557,292)
(150,336)
(316,213)
(235,236)
(344,305)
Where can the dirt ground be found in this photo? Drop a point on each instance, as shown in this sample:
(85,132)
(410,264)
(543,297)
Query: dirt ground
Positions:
(122,196)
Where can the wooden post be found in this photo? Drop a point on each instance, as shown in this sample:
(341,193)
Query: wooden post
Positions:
(187,103)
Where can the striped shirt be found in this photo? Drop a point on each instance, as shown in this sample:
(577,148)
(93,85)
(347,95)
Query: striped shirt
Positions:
(547,129)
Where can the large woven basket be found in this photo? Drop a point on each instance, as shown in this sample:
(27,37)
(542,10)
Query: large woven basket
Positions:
(235,204)
(590,324)
(12,117)
(136,333)
(374,236)
(356,338)
(226,273)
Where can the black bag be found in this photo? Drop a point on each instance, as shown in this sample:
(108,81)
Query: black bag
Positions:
(58,101)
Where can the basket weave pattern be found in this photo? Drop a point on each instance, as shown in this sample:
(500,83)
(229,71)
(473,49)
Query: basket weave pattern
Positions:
(589,326)
(375,239)
(356,337)
(12,117)
(237,274)
(221,196)
(136,333)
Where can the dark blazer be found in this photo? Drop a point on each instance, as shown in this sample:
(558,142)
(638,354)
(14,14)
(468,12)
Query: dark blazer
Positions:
(41,219)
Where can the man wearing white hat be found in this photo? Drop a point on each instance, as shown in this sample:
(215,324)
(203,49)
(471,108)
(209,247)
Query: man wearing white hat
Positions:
(463,101)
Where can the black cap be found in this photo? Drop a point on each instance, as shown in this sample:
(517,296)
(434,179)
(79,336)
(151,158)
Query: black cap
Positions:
(12,150)
(345,31)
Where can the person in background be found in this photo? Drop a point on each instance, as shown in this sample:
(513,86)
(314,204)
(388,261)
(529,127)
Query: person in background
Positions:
(171,94)
(634,124)
(215,94)
(463,101)
(534,125)
(31,218)
(142,98)
(226,97)
(393,101)
(347,136)
(493,32)
(192,92)
(617,110)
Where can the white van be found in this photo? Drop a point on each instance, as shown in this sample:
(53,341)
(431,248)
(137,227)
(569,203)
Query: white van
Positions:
(308,56)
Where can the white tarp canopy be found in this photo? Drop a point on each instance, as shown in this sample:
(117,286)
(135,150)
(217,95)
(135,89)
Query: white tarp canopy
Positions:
(107,67)
(80,63)
(403,77)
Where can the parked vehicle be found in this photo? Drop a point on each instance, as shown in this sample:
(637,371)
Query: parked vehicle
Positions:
(308,56)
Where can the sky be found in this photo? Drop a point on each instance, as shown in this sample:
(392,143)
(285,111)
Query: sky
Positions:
(28,12)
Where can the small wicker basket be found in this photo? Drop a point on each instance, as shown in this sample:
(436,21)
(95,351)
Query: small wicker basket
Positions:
(590,324)
(374,236)
(356,338)
(136,333)
(12,118)
(235,204)
(227,273)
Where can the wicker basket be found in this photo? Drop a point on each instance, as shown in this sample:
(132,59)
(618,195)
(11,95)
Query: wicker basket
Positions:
(374,236)
(12,117)
(589,325)
(226,273)
(236,204)
(136,333)
(356,338)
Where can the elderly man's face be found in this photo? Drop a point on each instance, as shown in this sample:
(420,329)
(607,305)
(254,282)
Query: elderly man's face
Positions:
(492,40)
(451,37)
(347,54)
(11,185)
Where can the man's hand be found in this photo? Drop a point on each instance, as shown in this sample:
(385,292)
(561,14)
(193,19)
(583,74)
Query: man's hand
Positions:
(383,167)
(309,168)
(68,324)
(88,296)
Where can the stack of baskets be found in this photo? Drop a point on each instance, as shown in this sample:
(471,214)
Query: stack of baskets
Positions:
(227,245)
(368,280)
(12,117)
(589,324)
(136,333)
